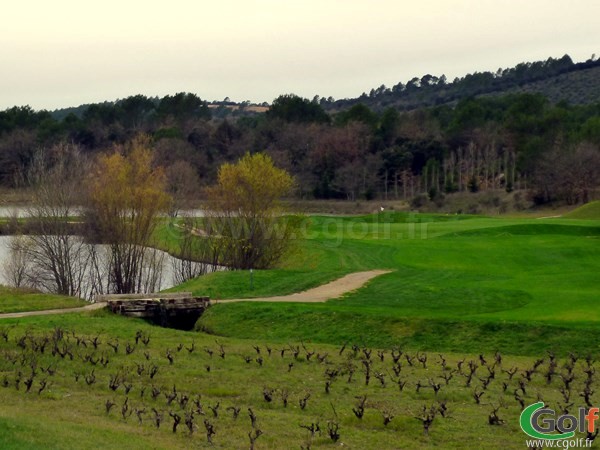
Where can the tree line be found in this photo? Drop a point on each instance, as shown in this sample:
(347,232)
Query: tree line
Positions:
(432,90)
(511,142)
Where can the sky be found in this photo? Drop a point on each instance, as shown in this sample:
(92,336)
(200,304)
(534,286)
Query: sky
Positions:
(63,53)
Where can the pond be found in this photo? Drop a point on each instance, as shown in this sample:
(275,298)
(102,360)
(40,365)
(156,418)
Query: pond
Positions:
(23,211)
(163,275)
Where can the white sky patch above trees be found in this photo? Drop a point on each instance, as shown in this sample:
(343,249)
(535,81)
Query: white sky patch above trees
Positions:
(67,52)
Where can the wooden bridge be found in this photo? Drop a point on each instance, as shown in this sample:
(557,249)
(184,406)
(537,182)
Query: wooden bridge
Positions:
(178,310)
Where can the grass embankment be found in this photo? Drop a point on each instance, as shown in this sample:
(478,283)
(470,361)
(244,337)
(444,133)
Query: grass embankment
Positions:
(18,300)
(458,283)
(589,211)
(70,412)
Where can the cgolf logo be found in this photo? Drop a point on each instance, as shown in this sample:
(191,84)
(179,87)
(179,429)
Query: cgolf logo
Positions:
(541,423)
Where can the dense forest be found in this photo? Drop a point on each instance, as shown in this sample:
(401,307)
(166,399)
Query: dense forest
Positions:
(351,150)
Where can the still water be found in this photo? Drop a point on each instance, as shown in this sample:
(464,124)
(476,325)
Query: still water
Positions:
(23,211)
(166,267)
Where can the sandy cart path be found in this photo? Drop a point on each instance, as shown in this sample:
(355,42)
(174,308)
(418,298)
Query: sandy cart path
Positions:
(328,291)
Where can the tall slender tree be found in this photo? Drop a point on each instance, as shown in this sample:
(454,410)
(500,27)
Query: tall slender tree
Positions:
(127,195)
(244,212)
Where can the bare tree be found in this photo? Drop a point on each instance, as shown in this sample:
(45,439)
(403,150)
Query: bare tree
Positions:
(182,185)
(198,253)
(53,258)
(17,267)
(569,175)
(153,261)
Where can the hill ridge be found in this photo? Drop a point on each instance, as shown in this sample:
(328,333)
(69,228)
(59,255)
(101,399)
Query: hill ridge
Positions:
(557,79)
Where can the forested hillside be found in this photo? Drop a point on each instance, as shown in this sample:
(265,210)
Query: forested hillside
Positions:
(476,142)
(557,79)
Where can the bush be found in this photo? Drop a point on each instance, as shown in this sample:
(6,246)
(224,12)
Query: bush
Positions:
(491,200)
(473,184)
(473,208)
(518,203)
(418,201)
(433,192)
(450,187)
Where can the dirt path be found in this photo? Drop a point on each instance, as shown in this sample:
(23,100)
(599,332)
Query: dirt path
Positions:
(47,312)
(333,289)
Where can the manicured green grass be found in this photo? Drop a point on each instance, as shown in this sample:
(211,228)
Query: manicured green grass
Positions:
(17,300)
(525,276)
(71,414)
(260,283)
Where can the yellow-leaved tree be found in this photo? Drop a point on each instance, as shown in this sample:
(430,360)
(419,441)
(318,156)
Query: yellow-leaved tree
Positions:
(244,213)
(127,195)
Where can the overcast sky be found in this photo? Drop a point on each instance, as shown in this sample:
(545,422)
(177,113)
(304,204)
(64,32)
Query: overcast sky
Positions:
(63,53)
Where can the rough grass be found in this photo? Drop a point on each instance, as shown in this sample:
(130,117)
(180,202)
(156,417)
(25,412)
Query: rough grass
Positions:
(589,211)
(72,414)
(17,300)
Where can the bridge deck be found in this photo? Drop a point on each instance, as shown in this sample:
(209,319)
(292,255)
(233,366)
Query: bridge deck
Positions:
(165,310)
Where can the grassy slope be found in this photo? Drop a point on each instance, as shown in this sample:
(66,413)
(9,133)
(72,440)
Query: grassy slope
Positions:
(71,414)
(15,300)
(456,282)
(589,211)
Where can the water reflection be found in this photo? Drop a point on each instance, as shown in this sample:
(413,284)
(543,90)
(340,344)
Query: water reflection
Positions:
(160,273)
(24,211)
